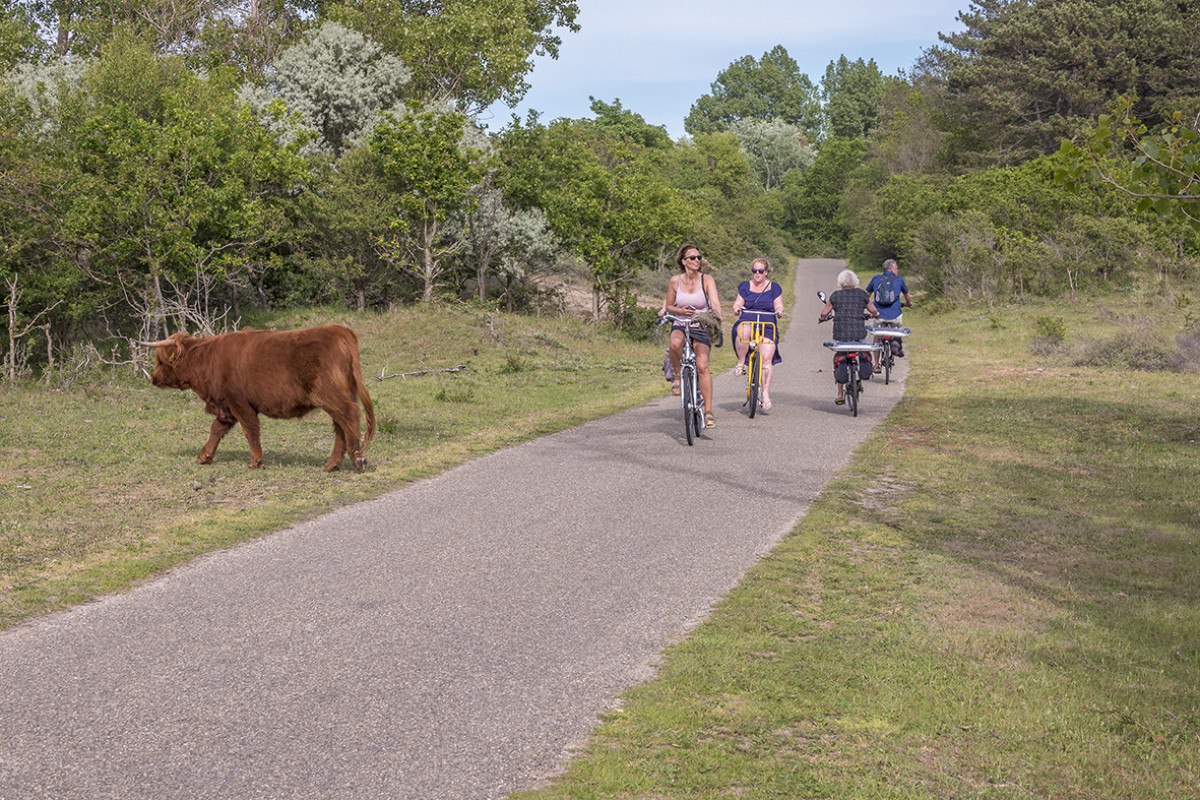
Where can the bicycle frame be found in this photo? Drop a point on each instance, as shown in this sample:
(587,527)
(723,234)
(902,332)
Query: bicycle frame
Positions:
(758,333)
(853,352)
(690,397)
(887,332)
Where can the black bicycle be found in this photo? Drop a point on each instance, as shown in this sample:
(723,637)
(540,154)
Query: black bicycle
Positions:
(888,332)
(689,381)
(853,355)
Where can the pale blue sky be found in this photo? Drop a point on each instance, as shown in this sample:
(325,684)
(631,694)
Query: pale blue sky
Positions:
(659,56)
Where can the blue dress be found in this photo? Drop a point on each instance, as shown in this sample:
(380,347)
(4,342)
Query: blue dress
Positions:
(760,301)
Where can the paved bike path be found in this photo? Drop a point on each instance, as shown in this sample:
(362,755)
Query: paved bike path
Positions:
(451,640)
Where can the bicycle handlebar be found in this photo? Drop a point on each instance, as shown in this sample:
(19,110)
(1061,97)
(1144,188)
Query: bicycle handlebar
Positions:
(866,315)
(669,317)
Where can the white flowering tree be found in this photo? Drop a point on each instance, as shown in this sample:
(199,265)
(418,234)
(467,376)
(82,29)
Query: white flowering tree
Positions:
(338,83)
(774,147)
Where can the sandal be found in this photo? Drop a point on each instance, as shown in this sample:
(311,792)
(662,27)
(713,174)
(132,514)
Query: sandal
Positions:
(675,390)
(840,401)
(709,421)
(766,405)
(740,369)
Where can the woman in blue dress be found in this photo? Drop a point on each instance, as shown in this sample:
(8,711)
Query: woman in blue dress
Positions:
(759,299)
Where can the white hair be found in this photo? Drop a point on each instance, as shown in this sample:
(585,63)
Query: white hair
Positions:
(847,280)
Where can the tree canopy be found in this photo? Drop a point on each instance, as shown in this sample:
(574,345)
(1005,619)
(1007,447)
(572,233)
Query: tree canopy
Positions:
(772,87)
(1026,74)
(469,53)
(852,91)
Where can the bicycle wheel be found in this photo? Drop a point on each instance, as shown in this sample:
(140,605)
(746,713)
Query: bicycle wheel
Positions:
(688,386)
(887,361)
(754,370)
(852,389)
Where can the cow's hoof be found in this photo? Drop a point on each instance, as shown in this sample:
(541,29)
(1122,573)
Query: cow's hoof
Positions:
(360,464)
(332,466)
(256,464)
(204,458)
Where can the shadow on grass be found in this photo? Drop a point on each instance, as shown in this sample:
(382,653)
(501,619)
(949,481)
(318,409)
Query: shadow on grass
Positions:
(1086,506)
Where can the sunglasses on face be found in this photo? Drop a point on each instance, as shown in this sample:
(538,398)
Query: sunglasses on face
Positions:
(758,271)
(691,258)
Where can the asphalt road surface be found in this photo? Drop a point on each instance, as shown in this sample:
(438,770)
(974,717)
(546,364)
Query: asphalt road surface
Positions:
(455,639)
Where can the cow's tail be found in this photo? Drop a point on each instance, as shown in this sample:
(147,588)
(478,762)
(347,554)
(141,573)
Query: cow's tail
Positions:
(360,387)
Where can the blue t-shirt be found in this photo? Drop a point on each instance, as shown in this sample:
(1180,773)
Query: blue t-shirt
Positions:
(892,310)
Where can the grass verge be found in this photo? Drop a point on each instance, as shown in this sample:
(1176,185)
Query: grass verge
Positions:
(996,600)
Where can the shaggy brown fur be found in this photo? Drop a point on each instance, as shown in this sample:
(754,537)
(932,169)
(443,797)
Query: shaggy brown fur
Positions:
(283,374)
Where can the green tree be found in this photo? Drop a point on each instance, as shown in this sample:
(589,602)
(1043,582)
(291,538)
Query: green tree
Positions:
(604,197)
(1159,170)
(248,37)
(19,40)
(41,284)
(429,175)
(910,135)
(813,199)
(851,91)
(211,34)
(180,189)
(1023,75)
(341,227)
(718,181)
(470,53)
(628,125)
(770,88)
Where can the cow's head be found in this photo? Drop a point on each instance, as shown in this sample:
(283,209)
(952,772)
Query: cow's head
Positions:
(167,355)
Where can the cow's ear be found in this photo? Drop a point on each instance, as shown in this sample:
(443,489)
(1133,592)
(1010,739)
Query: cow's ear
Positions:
(172,352)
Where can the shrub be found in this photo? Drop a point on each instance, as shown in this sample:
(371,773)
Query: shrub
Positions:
(1141,350)
(1189,350)
(1052,328)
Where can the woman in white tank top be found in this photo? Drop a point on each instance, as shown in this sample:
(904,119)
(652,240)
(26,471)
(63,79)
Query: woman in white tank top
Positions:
(688,293)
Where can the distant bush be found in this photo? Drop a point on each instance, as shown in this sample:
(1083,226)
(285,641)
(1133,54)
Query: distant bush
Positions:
(1052,328)
(1141,350)
(1189,350)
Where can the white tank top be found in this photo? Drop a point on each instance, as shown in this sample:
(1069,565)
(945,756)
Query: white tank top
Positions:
(696,299)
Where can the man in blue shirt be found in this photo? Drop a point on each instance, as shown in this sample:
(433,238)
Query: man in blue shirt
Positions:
(886,289)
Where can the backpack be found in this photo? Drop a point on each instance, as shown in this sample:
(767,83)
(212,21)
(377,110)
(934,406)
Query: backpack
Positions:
(885,289)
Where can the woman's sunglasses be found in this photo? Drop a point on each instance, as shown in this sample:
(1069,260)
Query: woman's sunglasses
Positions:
(758,271)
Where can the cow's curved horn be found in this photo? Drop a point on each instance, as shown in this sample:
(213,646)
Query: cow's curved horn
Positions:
(154,344)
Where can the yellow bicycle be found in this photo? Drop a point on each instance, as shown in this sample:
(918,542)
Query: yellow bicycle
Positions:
(754,332)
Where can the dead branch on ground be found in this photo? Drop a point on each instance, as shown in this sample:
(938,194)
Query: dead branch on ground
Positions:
(426,371)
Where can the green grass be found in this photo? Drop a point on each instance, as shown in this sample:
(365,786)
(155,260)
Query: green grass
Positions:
(98,482)
(996,600)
